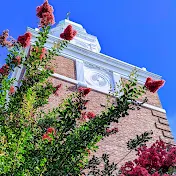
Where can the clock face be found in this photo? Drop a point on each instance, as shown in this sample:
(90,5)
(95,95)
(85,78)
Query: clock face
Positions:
(97,78)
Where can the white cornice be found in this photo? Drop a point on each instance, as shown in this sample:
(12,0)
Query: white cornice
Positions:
(101,60)
(76,82)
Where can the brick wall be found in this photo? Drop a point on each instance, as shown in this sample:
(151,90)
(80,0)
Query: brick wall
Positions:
(63,66)
(136,123)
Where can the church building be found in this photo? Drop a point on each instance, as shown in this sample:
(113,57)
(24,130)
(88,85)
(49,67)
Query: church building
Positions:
(82,64)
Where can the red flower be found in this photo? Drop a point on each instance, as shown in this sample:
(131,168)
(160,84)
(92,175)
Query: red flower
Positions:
(158,156)
(84,116)
(90,115)
(56,92)
(12,90)
(108,130)
(43,53)
(4,70)
(84,90)
(68,33)
(112,130)
(45,13)
(139,171)
(3,39)
(51,130)
(48,18)
(153,85)
(17,60)
(87,116)
(45,136)
(24,40)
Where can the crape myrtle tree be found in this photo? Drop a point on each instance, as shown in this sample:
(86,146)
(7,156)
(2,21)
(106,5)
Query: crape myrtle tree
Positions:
(59,142)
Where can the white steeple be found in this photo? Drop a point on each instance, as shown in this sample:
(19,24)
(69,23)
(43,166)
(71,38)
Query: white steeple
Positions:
(82,39)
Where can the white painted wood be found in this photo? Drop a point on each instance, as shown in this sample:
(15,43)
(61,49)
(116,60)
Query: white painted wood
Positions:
(73,51)
(145,105)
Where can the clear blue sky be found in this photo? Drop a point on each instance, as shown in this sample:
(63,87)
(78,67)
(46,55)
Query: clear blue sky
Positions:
(142,33)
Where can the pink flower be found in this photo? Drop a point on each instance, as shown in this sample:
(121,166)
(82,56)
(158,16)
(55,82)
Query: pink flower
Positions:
(155,174)
(17,60)
(158,156)
(108,130)
(84,116)
(112,130)
(46,137)
(45,13)
(139,171)
(3,39)
(12,90)
(48,18)
(4,70)
(68,33)
(51,130)
(56,92)
(24,40)
(84,90)
(90,115)
(43,53)
(153,85)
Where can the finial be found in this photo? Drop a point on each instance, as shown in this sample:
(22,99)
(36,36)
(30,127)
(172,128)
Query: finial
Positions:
(68,15)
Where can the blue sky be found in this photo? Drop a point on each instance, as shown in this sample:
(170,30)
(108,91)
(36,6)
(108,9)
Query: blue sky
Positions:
(142,33)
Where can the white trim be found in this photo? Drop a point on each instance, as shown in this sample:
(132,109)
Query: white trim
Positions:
(56,75)
(154,108)
(117,80)
(109,63)
(80,70)
(145,105)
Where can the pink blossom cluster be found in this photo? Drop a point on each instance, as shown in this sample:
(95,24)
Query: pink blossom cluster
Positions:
(88,115)
(46,136)
(69,33)
(4,39)
(84,91)
(43,52)
(4,70)
(45,13)
(150,160)
(112,130)
(24,40)
(153,85)
(17,60)
(12,90)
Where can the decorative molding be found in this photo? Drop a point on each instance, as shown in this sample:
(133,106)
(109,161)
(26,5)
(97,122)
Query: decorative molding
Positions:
(82,38)
(154,108)
(106,92)
(97,77)
(75,52)
(167,136)
(156,115)
(117,80)
(64,78)
(80,70)
(163,121)
(158,126)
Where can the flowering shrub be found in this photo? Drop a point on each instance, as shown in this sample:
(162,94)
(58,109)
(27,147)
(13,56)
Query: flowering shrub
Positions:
(156,160)
(37,143)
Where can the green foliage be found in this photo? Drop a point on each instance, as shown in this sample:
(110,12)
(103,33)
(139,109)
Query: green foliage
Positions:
(94,169)
(139,140)
(22,125)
